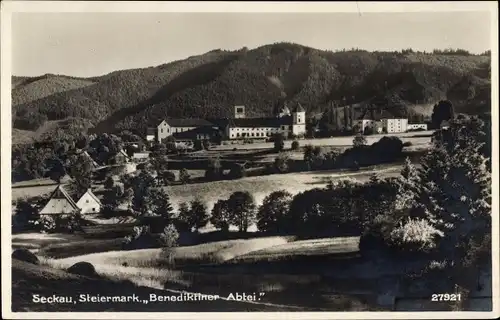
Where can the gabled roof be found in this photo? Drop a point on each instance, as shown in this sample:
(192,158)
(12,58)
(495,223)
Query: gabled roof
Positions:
(151,131)
(194,122)
(123,153)
(91,194)
(298,108)
(61,193)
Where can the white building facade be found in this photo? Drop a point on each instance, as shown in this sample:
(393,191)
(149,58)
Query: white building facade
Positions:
(417,126)
(394,125)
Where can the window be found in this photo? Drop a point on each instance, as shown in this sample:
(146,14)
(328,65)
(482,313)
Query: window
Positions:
(93,209)
(161,130)
(87,201)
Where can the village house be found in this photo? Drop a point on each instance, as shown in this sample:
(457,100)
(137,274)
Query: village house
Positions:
(62,202)
(121,157)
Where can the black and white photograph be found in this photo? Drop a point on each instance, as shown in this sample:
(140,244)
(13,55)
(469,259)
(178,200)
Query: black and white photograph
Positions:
(300,160)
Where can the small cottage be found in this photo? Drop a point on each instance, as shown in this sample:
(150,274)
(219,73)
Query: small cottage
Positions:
(62,201)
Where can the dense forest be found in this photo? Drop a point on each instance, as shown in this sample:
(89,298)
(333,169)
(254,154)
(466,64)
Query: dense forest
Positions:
(210,84)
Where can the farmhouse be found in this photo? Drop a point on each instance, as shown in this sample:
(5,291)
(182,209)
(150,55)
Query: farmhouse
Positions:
(62,202)
(121,157)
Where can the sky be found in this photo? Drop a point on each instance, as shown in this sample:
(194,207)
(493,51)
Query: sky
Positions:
(92,44)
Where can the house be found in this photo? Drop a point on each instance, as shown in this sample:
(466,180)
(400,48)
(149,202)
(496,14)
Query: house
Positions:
(121,157)
(62,201)
(242,127)
(140,156)
(88,202)
(93,163)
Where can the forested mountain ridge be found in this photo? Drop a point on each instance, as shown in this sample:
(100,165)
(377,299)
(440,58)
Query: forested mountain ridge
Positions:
(209,85)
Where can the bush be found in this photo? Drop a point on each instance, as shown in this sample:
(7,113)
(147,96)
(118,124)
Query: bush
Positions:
(47,224)
(25,255)
(237,171)
(83,269)
(167,177)
(415,235)
(279,142)
(407,144)
(359,140)
(169,236)
(295,145)
(141,238)
(281,163)
(184,176)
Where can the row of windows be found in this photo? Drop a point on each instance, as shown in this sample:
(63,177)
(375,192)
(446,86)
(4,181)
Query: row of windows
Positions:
(255,135)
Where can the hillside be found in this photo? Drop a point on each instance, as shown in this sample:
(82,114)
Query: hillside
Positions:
(212,83)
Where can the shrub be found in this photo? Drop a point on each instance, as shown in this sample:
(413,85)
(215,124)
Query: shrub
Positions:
(295,145)
(407,144)
(25,255)
(167,177)
(83,268)
(169,236)
(369,130)
(184,176)
(279,142)
(237,171)
(415,235)
(140,238)
(359,140)
(47,224)
(281,163)
(109,183)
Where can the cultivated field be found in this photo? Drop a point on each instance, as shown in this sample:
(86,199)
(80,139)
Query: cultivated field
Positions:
(261,186)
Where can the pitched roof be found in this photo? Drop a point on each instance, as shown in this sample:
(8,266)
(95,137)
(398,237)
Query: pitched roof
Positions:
(92,195)
(60,193)
(298,108)
(193,122)
(151,131)
(260,122)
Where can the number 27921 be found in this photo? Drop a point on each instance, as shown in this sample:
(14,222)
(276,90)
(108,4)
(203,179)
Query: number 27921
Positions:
(446,297)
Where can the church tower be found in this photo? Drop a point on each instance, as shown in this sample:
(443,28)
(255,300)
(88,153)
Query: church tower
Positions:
(299,120)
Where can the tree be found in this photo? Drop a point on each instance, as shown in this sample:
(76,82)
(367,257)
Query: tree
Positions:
(166,177)
(57,170)
(160,205)
(273,211)
(214,169)
(184,176)
(80,169)
(295,145)
(26,215)
(112,198)
(281,163)
(198,216)
(183,217)
(442,111)
(109,182)
(237,171)
(221,216)
(279,142)
(359,140)
(241,206)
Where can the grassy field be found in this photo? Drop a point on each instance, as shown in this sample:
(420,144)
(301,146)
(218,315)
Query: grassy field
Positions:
(261,186)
